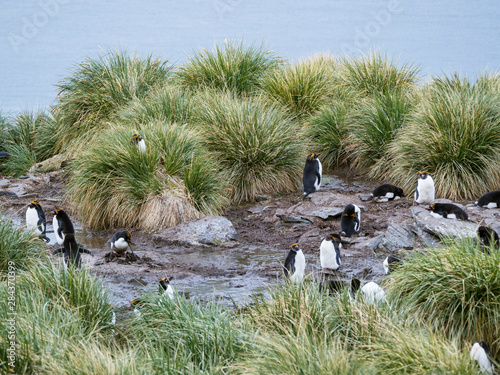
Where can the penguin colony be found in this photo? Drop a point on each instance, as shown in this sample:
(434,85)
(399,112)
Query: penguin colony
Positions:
(295,263)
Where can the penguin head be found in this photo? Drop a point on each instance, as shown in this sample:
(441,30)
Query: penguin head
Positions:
(128,237)
(355,285)
(136,302)
(350,211)
(69,236)
(312,157)
(432,207)
(35,204)
(423,174)
(333,237)
(165,281)
(295,247)
(136,138)
(485,346)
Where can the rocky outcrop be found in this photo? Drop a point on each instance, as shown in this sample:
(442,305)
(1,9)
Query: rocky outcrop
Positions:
(210,230)
(444,228)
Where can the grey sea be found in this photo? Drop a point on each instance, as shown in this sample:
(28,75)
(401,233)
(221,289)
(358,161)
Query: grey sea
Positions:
(42,41)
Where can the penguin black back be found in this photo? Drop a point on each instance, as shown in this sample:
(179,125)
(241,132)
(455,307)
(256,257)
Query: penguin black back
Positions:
(448,211)
(489,200)
(311,178)
(62,224)
(387,192)
(71,250)
(350,220)
(488,237)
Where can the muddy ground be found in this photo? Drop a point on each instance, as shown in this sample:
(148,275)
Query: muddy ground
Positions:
(232,272)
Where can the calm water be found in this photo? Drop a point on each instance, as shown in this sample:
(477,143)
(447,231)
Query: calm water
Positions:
(41,41)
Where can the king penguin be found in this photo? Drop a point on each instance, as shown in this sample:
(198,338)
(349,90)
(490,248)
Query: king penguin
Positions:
(329,252)
(295,263)
(481,353)
(425,191)
(351,220)
(139,142)
(35,219)
(62,224)
(311,179)
(120,242)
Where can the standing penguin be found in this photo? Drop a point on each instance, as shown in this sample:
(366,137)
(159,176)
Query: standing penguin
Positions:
(489,200)
(351,220)
(311,179)
(62,224)
(120,242)
(35,219)
(295,263)
(329,252)
(139,142)
(168,291)
(425,191)
(481,353)
(386,192)
(487,238)
(390,263)
(71,250)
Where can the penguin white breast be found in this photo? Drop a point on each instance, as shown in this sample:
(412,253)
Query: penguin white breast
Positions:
(358,214)
(300,266)
(492,205)
(141,145)
(478,354)
(426,190)
(120,244)
(373,292)
(169,292)
(436,215)
(317,183)
(452,216)
(55,224)
(32,220)
(389,195)
(328,255)
(386,266)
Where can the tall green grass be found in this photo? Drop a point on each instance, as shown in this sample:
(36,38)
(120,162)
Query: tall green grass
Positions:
(18,248)
(303,87)
(456,289)
(374,124)
(232,67)
(28,140)
(259,148)
(185,337)
(377,74)
(455,135)
(115,185)
(97,89)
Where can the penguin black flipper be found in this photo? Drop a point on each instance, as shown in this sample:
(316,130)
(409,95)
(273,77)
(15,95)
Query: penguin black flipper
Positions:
(289,267)
(84,251)
(416,194)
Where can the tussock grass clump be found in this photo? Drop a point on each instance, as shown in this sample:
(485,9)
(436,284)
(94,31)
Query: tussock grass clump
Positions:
(301,88)
(376,74)
(97,89)
(182,335)
(259,148)
(455,135)
(28,140)
(4,125)
(114,185)
(302,354)
(373,126)
(18,247)
(232,67)
(165,103)
(456,289)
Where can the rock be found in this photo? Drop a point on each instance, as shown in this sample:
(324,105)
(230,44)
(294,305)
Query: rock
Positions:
(325,213)
(396,237)
(443,227)
(261,198)
(365,198)
(313,233)
(210,230)
(4,183)
(10,194)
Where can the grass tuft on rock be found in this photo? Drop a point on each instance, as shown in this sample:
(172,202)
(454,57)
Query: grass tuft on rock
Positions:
(260,148)
(232,67)
(455,135)
(114,185)
(97,89)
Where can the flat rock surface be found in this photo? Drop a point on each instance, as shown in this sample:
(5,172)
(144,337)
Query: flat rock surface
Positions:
(209,230)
